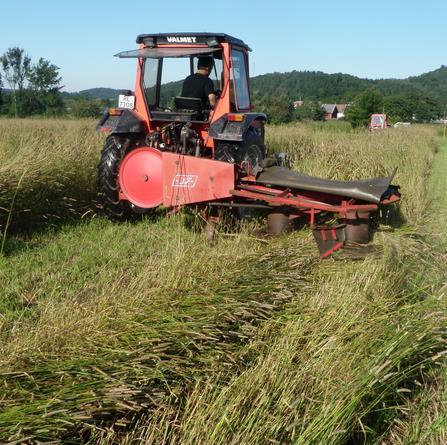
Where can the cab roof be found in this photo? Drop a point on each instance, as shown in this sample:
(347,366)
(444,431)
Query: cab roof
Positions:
(191,37)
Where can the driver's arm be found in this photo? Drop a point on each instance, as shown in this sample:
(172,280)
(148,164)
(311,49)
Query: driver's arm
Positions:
(213,99)
(210,93)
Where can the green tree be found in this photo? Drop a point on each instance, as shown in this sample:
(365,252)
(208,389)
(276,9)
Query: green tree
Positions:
(16,66)
(427,108)
(54,105)
(29,103)
(81,107)
(309,111)
(412,106)
(45,81)
(366,103)
(279,109)
(44,77)
(398,107)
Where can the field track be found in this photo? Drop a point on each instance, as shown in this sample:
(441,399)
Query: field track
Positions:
(140,333)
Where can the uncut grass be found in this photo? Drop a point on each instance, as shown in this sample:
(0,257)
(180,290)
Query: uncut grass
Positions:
(424,417)
(85,294)
(57,158)
(350,154)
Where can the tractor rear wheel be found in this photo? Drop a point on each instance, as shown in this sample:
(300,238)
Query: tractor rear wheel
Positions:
(251,151)
(108,197)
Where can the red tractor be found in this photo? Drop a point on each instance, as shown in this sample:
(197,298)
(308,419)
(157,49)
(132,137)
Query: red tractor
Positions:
(378,122)
(149,125)
(172,151)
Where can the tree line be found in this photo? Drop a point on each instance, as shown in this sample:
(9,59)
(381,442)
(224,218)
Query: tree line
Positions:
(35,89)
(30,89)
(403,107)
(421,98)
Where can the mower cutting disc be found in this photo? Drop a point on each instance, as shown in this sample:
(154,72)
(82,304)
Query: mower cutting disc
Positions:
(140,177)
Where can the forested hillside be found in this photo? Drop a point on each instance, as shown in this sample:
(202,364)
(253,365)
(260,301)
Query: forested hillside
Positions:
(315,85)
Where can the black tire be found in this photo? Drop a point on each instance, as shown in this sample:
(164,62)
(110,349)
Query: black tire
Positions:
(251,150)
(108,196)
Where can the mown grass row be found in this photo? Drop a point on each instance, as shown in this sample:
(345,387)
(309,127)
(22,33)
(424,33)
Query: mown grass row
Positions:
(332,371)
(103,321)
(135,346)
(339,366)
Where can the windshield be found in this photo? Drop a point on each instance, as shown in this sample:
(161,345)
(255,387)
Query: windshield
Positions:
(378,120)
(163,77)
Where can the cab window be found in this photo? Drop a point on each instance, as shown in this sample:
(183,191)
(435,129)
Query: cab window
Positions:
(239,79)
(150,80)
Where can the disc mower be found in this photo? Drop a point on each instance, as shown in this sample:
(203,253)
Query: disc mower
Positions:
(173,151)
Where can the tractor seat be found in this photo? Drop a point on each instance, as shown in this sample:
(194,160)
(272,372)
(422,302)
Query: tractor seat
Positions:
(369,190)
(190,105)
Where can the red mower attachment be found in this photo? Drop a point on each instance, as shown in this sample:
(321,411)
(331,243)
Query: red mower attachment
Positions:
(301,196)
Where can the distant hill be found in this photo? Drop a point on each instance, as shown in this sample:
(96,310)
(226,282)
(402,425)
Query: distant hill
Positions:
(95,93)
(101,93)
(434,82)
(340,87)
(316,85)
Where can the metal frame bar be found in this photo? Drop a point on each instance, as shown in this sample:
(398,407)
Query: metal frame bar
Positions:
(285,197)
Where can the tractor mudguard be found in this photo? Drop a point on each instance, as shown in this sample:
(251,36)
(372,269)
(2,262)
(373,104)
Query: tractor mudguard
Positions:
(126,122)
(234,131)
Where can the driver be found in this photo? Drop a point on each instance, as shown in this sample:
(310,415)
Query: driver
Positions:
(199,85)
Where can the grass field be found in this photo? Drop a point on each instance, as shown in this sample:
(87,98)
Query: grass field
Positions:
(142,333)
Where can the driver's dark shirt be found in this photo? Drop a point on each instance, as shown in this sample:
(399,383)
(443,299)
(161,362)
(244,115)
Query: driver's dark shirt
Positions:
(198,86)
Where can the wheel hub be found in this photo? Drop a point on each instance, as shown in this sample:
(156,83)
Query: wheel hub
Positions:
(140,177)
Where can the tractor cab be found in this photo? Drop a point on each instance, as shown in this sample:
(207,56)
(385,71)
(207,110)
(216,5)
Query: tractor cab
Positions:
(157,111)
(378,122)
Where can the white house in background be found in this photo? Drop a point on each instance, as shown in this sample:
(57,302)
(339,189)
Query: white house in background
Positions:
(341,110)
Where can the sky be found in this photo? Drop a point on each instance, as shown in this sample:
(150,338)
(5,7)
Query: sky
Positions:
(373,39)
